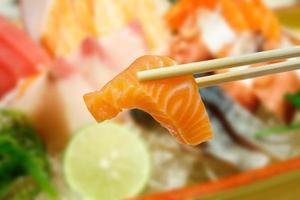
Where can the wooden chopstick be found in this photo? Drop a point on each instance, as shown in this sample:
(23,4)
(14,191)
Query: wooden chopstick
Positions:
(222,63)
(249,73)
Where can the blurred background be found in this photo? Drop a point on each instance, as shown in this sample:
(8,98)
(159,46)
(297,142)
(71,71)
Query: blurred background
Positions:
(52,52)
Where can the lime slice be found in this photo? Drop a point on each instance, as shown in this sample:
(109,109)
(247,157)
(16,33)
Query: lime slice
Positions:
(106,161)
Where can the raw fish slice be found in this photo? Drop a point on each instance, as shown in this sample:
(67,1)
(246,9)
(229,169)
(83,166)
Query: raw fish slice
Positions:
(174,102)
(268,91)
(46,101)
(62,31)
(19,56)
(241,16)
(126,45)
(271,91)
(234,16)
(252,27)
(18,51)
(94,63)
(8,81)
(261,20)
(243,94)
(188,49)
(96,57)
(187,46)
(84,14)
(220,25)
(182,9)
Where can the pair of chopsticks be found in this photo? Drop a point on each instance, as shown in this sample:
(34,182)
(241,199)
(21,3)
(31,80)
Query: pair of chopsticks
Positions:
(230,62)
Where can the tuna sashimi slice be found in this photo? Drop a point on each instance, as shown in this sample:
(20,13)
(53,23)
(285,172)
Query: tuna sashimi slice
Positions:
(174,102)
(20,57)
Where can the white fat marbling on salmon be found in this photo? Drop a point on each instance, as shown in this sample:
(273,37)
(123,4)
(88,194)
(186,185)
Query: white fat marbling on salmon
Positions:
(186,102)
(157,98)
(172,93)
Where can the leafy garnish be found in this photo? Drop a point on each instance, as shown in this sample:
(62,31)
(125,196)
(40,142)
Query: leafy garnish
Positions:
(22,157)
(278,130)
(294,99)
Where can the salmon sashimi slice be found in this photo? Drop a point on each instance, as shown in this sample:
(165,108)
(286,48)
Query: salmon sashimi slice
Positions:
(234,16)
(174,102)
(262,20)
(176,16)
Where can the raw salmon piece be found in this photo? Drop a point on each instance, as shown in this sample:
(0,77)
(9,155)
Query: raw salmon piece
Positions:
(187,46)
(176,16)
(261,20)
(184,8)
(174,102)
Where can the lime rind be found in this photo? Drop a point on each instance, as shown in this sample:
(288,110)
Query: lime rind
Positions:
(117,158)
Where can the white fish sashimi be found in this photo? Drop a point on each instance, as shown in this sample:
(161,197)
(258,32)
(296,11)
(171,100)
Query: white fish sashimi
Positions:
(53,102)
(101,59)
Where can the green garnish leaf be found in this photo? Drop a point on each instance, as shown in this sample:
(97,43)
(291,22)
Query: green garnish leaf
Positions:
(294,99)
(278,130)
(24,167)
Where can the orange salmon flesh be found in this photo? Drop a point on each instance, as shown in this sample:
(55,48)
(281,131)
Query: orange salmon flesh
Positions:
(174,102)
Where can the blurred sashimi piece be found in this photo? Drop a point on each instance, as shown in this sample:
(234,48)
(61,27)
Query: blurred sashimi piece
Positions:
(220,26)
(229,27)
(111,16)
(187,46)
(271,91)
(188,49)
(61,30)
(217,31)
(147,13)
(183,8)
(93,62)
(40,103)
(124,46)
(261,19)
(108,16)
(243,94)
(19,56)
(59,24)
(53,102)
(85,15)
(7,81)
(100,60)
